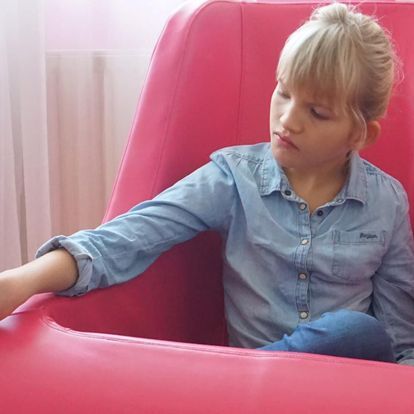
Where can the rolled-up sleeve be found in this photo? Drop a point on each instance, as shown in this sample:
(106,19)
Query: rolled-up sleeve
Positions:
(393,294)
(125,246)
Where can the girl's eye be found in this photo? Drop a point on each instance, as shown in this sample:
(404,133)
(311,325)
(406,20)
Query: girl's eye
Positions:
(319,113)
(283,94)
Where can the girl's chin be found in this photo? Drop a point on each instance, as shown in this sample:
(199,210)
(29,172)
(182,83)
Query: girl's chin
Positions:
(282,157)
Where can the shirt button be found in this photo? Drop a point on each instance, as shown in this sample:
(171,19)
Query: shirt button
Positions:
(304,241)
(303,315)
(288,192)
(302,206)
(303,276)
(320,213)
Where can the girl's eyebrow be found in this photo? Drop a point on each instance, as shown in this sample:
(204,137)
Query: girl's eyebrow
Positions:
(311,101)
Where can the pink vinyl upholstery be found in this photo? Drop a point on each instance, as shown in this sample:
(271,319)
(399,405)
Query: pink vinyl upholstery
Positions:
(157,344)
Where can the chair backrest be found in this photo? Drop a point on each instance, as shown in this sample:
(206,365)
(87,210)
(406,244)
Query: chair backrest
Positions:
(209,86)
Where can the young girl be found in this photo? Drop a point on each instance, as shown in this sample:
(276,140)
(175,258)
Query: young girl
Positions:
(318,249)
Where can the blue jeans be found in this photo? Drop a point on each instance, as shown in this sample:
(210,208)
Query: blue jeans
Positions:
(343,333)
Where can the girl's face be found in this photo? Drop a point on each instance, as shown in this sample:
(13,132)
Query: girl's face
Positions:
(306,134)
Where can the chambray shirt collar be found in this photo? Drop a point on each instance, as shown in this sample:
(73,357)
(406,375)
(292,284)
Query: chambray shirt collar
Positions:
(356,187)
(273,179)
(271,174)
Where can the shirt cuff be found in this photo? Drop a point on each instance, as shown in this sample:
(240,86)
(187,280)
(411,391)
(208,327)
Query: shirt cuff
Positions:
(83,261)
(407,361)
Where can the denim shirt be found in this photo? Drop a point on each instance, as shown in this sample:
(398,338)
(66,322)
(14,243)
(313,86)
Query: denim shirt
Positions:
(282,265)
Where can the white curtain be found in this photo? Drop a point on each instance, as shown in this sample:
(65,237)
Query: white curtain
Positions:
(25,218)
(70,77)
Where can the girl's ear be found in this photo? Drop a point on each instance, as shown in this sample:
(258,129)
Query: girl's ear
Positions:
(372,133)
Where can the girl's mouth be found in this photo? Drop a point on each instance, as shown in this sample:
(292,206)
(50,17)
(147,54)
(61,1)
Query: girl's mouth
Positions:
(284,141)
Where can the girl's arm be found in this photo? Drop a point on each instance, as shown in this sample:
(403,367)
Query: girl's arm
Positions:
(393,294)
(52,272)
(124,247)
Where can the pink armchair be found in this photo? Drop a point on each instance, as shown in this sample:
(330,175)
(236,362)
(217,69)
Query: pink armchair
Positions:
(157,344)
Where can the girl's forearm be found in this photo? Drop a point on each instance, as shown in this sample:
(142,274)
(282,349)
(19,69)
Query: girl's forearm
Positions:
(52,272)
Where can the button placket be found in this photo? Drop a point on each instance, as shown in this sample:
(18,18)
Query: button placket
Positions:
(301,259)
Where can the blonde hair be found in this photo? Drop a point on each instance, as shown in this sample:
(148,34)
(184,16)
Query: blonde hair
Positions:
(345,57)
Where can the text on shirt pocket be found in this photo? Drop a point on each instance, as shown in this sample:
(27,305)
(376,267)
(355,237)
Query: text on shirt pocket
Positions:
(357,254)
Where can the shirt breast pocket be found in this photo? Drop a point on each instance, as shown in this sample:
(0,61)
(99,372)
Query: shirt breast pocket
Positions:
(357,254)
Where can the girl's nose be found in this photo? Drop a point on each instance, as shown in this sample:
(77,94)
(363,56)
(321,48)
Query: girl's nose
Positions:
(291,119)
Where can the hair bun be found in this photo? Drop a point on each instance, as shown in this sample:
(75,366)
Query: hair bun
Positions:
(336,13)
